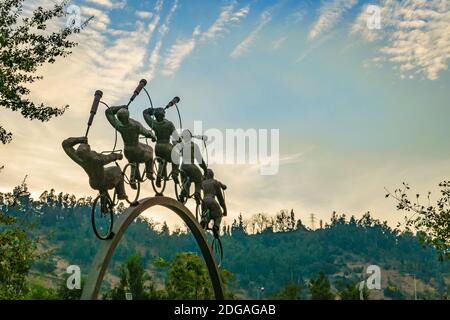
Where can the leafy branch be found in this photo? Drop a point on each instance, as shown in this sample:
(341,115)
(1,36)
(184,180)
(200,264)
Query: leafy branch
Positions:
(431,221)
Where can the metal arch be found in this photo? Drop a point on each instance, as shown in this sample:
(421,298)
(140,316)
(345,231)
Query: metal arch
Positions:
(101,261)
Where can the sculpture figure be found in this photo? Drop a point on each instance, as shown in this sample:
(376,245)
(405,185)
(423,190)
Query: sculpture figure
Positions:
(130,130)
(212,189)
(189,152)
(100,178)
(165,132)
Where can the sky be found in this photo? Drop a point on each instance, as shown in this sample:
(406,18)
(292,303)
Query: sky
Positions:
(358,109)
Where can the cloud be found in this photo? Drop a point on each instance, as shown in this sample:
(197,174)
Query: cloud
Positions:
(247,42)
(331,13)
(144,14)
(106,58)
(182,48)
(414,35)
(226,17)
(297,16)
(162,31)
(276,44)
(313,47)
(178,52)
(109,4)
(101,19)
(159,5)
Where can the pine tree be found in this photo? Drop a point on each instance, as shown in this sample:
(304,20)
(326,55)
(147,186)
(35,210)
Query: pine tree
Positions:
(320,288)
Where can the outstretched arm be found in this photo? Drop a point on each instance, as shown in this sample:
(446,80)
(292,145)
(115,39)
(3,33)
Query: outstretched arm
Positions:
(146,133)
(148,117)
(106,159)
(68,146)
(111,116)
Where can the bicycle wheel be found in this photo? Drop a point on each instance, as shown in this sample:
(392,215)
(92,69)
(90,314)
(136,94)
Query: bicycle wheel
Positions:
(158,168)
(102,217)
(132,184)
(216,247)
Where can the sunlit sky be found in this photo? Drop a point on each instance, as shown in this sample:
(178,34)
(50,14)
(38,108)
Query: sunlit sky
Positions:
(357,109)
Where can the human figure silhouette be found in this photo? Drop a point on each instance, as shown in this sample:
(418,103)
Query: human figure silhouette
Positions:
(165,132)
(130,130)
(190,154)
(100,178)
(212,189)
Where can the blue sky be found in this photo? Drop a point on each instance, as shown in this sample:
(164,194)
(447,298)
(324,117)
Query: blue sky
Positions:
(357,109)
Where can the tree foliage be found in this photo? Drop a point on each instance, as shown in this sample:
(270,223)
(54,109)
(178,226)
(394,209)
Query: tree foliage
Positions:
(291,291)
(25,45)
(17,252)
(320,288)
(431,221)
(259,258)
(135,280)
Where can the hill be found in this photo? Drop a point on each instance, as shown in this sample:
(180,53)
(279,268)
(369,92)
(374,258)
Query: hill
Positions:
(262,251)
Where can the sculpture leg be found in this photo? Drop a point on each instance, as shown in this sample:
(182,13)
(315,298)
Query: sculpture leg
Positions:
(149,169)
(120,190)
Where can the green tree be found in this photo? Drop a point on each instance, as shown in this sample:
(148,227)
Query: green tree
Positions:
(291,291)
(64,293)
(320,288)
(349,290)
(187,278)
(393,291)
(133,279)
(39,292)
(25,45)
(17,253)
(429,220)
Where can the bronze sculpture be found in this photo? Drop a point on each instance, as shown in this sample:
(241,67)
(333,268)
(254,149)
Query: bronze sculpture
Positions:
(164,131)
(130,130)
(212,189)
(100,178)
(189,152)
(104,179)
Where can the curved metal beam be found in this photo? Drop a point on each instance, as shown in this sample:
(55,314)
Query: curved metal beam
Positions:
(101,261)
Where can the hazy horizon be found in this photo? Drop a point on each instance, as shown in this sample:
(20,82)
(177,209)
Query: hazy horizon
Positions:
(357,109)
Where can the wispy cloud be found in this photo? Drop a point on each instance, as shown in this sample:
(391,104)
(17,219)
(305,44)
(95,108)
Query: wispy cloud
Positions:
(276,44)
(162,31)
(158,5)
(178,52)
(109,4)
(244,46)
(101,19)
(315,45)
(144,14)
(182,48)
(414,35)
(331,13)
(228,15)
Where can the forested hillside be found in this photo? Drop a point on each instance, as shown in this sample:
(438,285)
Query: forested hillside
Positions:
(262,251)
